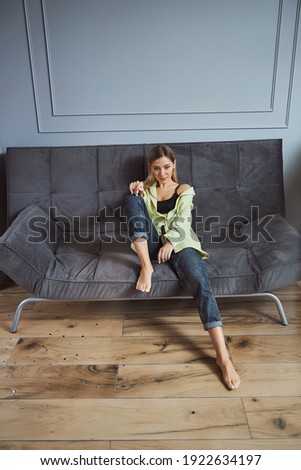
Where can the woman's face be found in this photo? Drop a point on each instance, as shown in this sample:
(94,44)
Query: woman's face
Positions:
(162,169)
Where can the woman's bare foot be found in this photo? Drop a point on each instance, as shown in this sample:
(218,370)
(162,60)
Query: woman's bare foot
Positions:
(145,279)
(230,376)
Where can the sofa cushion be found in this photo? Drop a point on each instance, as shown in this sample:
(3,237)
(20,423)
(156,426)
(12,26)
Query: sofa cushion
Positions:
(98,269)
(230,270)
(275,251)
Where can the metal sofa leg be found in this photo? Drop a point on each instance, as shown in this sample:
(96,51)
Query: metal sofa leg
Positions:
(20,308)
(282,315)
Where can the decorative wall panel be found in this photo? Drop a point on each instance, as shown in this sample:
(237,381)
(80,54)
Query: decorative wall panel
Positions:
(140,65)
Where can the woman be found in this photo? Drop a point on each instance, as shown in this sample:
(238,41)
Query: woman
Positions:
(159,222)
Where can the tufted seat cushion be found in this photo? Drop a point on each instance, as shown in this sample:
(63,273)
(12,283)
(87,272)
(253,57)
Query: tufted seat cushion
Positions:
(98,267)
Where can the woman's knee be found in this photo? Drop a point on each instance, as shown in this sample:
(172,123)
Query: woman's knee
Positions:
(131,200)
(134,205)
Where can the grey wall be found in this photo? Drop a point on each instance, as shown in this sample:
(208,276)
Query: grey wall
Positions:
(2,195)
(2,202)
(77,72)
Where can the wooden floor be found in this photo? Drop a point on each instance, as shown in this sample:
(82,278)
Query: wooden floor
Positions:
(142,375)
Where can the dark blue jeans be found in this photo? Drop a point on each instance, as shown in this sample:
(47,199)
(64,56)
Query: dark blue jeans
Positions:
(187,263)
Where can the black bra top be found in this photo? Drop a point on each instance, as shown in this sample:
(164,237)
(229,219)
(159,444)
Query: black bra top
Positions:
(163,207)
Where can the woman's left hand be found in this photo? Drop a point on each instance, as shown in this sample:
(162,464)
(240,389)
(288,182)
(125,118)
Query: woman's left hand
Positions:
(165,252)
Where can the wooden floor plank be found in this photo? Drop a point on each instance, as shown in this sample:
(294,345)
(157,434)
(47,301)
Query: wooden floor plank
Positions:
(209,444)
(274,416)
(265,348)
(199,380)
(104,350)
(56,382)
(67,324)
(179,444)
(108,419)
(7,346)
(54,445)
(190,325)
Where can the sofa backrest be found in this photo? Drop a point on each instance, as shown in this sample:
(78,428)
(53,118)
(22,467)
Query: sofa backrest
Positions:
(229,179)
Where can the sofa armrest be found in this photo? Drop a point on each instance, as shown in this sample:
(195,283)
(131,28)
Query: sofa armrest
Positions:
(28,246)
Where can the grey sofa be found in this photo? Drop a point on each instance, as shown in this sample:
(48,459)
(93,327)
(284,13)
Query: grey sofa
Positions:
(67,232)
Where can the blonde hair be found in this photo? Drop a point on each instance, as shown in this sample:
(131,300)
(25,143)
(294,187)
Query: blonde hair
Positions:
(156,152)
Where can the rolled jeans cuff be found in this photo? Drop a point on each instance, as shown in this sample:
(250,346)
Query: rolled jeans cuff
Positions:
(212,324)
(137,235)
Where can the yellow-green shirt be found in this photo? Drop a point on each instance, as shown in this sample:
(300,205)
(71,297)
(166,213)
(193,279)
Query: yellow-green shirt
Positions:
(176,224)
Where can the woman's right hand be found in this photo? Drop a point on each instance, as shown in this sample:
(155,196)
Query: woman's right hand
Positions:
(137,187)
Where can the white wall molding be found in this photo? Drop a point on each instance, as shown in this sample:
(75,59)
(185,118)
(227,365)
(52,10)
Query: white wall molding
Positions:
(81,104)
